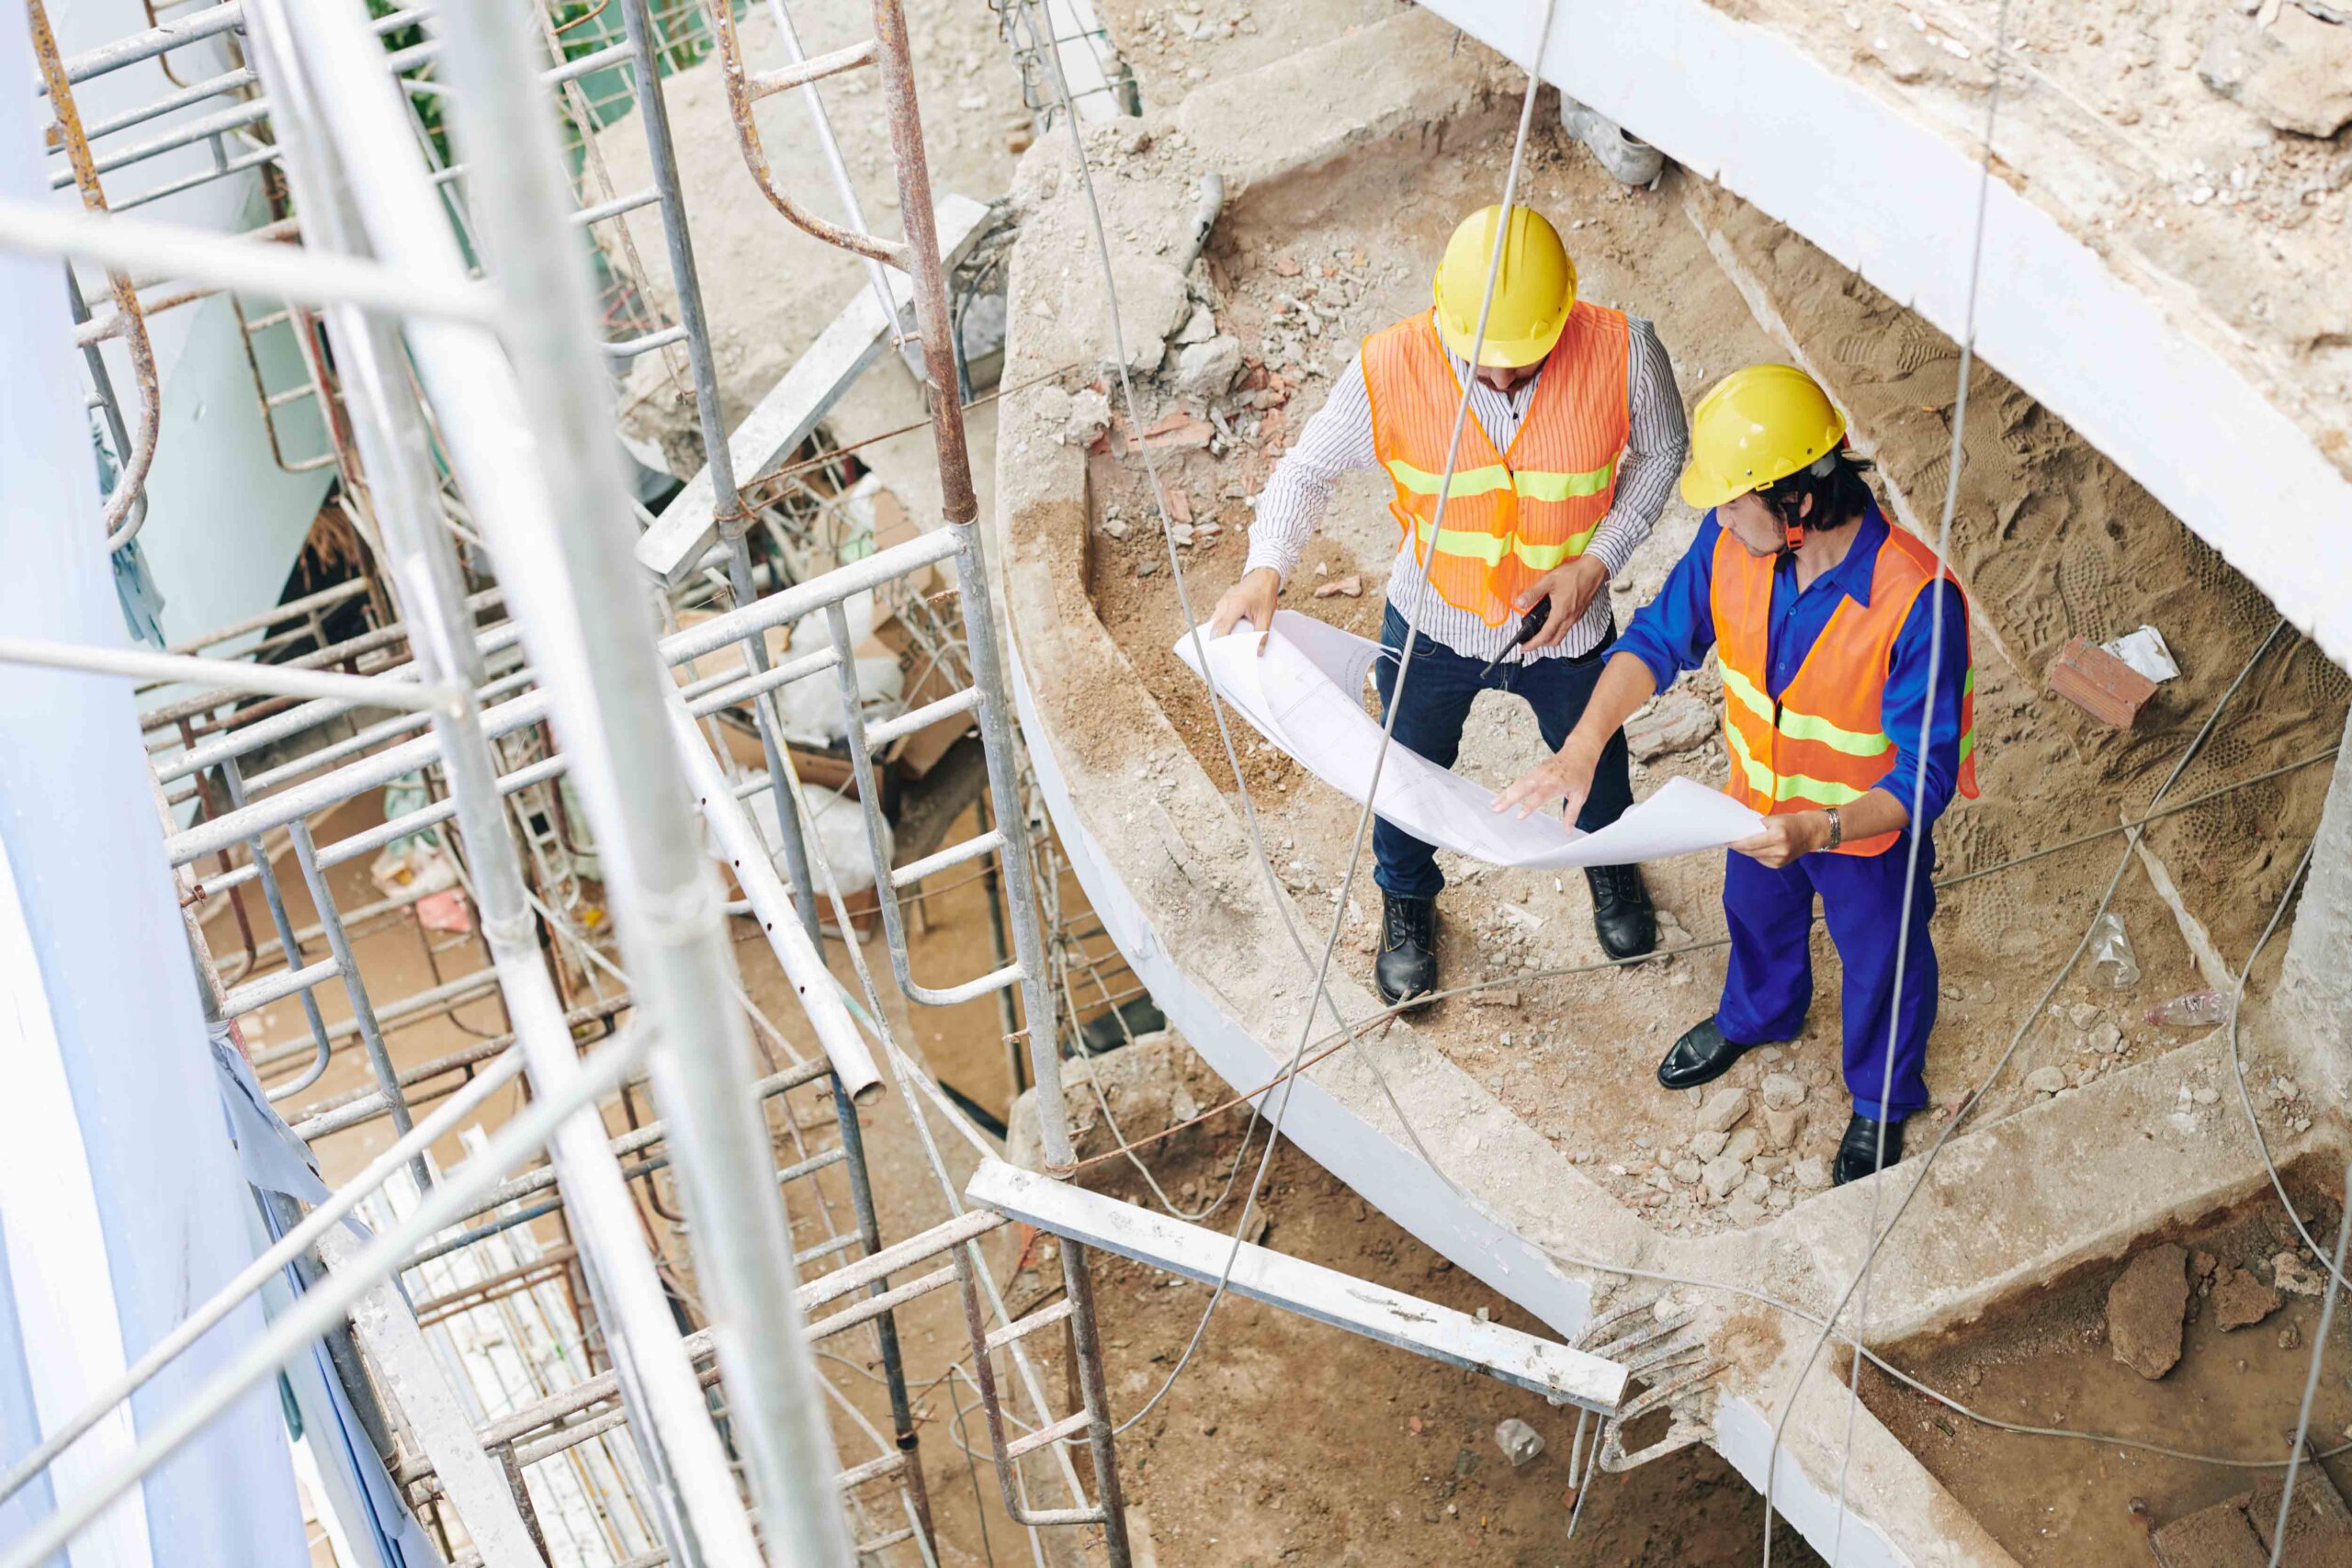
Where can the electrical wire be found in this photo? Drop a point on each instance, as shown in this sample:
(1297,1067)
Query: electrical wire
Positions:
(1919,1174)
(1914,842)
(1320,993)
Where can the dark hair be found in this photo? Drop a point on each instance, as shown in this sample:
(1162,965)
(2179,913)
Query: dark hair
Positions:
(1835,482)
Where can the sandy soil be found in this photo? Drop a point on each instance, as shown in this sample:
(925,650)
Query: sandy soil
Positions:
(2045,1360)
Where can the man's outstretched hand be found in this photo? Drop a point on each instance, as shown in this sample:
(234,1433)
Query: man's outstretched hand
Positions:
(1567,772)
(1252,600)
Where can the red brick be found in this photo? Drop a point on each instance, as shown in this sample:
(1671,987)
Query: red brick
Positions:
(2099,683)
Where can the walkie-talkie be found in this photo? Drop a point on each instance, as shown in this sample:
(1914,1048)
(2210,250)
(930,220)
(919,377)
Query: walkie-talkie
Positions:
(1529,624)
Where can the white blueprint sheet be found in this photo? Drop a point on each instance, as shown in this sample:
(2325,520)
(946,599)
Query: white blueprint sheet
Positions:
(1305,694)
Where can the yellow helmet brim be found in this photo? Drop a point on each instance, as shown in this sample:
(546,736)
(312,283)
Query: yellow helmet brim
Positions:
(1502,353)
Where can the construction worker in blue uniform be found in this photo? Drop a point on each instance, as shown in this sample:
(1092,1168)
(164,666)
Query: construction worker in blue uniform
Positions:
(1848,721)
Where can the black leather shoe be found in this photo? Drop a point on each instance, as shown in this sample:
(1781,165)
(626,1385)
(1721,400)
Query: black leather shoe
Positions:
(1620,910)
(1858,1151)
(1700,1056)
(1407,966)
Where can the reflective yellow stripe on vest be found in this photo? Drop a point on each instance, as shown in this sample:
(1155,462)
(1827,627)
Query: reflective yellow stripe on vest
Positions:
(1787,786)
(1803,725)
(1490,548)
(1531,483)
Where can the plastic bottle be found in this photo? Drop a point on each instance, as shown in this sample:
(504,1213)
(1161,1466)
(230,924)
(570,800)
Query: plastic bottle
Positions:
(2111,945)
(2198,1009)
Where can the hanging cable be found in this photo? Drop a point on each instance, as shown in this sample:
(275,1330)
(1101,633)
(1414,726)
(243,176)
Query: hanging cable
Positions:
(1917,838)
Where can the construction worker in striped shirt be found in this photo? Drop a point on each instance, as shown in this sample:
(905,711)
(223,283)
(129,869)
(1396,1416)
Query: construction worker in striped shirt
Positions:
(1848,716)
(1573,435)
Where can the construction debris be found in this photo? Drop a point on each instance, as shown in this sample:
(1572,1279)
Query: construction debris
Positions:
(2146,1309)
(2240,1300)
(2099,683)
(1521,1443)
(2287,65)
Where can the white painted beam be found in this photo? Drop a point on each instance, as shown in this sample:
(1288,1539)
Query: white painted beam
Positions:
(784,419)
(1542,1366)
(1894,196)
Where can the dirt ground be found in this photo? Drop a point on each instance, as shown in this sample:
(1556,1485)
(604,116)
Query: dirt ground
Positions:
(1288,1441)
(2050,538)
(2046,1361)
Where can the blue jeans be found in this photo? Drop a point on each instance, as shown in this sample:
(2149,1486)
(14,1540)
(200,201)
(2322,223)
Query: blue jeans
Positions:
(1770,986)
(1437,692)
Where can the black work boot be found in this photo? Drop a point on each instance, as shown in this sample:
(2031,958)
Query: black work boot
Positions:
(1620,910)
(1700,1056)
(1407,962)
(1858,1151)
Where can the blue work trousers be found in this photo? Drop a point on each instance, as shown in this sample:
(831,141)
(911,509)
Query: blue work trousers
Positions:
(1769,987)
(1438,691)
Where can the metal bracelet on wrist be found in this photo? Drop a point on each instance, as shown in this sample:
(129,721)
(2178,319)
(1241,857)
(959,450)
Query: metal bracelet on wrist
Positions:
(1836,827)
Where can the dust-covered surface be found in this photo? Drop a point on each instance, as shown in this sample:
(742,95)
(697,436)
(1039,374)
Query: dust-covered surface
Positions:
(2048,1360)
(1289,1441)
(2143,130)
(2051,539)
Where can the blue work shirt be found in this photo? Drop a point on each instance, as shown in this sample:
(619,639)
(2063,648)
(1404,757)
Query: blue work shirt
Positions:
(1673,632)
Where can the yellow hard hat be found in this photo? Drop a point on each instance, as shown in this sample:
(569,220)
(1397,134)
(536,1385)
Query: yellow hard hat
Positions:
(1754,427)
(1535,289)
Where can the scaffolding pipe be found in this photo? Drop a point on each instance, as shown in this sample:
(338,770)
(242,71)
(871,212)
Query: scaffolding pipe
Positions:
(802,961)
(320,1309)
(699,1518)
(262,1269)
(565,555)
(728,503)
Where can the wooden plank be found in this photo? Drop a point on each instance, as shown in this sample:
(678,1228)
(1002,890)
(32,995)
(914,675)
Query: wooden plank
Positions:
(1543,1366)
(784,419)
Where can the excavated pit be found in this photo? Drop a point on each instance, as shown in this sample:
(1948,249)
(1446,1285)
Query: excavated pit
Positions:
(2051,539)
(2045,1359)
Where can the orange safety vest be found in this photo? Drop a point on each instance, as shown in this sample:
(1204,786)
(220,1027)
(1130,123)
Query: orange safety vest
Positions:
(1510,516)
(1824,742)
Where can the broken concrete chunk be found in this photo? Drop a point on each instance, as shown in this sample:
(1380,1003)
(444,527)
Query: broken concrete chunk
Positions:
(1707,1146)
(1687,1171)
(1811,1171)
(2218,1537)
(1744,1145)
(1721,1174)
(2296,73)
(2045,1081)
(1199,327)
(1090,416)
(1521,1443)
(2144,1311)
(1208,369)
(1675,722)
(2291,1273)
(1723,1109)
(2240,1301)
(1782,1091)
(1350,587)
(1783,1125)
(1153,303)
